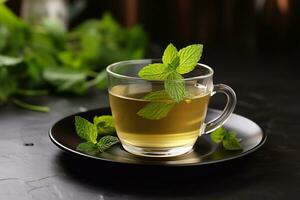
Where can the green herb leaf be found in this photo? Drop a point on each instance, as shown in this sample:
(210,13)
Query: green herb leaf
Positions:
(88,147)
(105,124)
(100,80)
(28,106)
(189,56)
(66,79)
(90,44)
(175,87)
(86,130)
(69,58)
(218,135)
(61,61)
(230,142)
(156,71)
(160,95)
(8,61)
(54,27)
(8,84)
(170,56)
(106,142)
(155,110)
(161,103)
(174,83)
(226,138)
(174,64)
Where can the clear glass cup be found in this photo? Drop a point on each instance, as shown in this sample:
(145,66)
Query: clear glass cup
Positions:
(177,132)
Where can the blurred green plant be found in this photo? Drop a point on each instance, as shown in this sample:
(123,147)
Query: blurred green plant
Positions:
(36,59)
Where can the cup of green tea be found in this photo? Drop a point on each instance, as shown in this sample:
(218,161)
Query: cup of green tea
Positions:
(160,117)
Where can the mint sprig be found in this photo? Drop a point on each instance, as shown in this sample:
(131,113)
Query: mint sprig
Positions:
(86,130)
(155,111)
(91,132)
(156,71)
(227,138)
(159,96)
(170,71)
(170,56)
(160,105)
(175,86)
(106,142)
(105,125)
(189,56)
(88,147)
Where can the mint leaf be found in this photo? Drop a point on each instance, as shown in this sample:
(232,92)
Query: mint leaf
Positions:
(28,106)
(156,71)
(160,95)
(226,138)
(218,135)
(170,56)
(87,147)
(65,79)
(8,84)
(46,56)
(100,80)
(86,130)
(106,142)
(174,64)
(230,142)
(105,124)
(160,105)
(189,56)
(175,86)
(8,61)
(155,110)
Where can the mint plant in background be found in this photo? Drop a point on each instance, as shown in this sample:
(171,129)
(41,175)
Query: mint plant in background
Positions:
(38,59)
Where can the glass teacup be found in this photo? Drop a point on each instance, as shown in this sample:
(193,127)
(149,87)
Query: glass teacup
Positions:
(177,132)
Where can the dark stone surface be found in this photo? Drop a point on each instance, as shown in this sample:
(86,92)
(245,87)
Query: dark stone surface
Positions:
(31,167)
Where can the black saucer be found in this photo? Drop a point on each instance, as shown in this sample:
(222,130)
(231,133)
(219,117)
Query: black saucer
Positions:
(205,151)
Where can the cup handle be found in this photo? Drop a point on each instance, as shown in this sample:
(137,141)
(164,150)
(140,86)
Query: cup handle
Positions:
(230,105)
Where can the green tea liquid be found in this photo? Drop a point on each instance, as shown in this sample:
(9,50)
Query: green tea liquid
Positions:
(181,126)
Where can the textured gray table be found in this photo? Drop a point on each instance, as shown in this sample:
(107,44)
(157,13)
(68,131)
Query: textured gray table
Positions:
(268,95)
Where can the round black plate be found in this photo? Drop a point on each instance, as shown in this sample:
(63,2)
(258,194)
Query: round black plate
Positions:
(205,151)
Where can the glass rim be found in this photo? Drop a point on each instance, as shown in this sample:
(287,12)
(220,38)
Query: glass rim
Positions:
(140,61)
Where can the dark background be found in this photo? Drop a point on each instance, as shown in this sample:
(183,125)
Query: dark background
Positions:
(248,27)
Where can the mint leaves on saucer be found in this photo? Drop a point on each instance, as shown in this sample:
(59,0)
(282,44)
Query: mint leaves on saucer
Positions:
(227,138)
(86,130)
(105,125)
(175,63)
(98,135)
(106,142)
